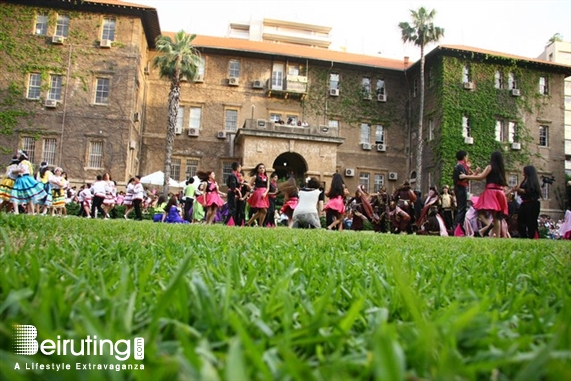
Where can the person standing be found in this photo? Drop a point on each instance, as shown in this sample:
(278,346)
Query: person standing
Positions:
(98,191)
(138,196)
(461,187)
(26,189)
(270,220)
(7,184)
(43,176)
(446,200)
(493,200)
(128,200)
(57,183)
(335,207)
(530,191)
(189,191)
(233,183)
(259,198)
(211,199)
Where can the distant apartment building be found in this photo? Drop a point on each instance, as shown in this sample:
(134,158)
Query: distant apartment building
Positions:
(560,52)
(80,91)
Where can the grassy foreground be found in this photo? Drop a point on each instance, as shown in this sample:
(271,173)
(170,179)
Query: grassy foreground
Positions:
(228,303)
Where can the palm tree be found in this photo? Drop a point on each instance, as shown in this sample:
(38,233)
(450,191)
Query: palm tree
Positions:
(421,33)
(179,59)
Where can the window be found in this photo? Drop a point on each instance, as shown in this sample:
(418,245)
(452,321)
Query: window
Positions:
(430,129)
(292,120)
(41,28)
(95,156)
(379,182)
(34,84)
(512,83)
(231,120)
(226,171)
(49,150)
(466,74)
(512,132)
(512,181)
(365,133)
(333,123)
(364,180)
(296,69)
(466,132)
(191,168)
(381,86)
(543,88)
(498,80)
(545,191)
(62,26)
(499,131)
(543,136)
(333,81)
(102,91)
(278,76)
(234,69)
(379,135)
(201,66)
(275,117)
(108,29)
(175,168)
(366,87)
(415,87)
(195,117)
(55,88)
(29,145)
(179,120)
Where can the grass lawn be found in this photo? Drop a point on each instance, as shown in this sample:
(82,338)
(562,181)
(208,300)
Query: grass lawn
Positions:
(229,303)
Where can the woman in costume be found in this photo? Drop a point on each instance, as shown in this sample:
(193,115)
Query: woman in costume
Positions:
(26,189)
(211,198)
(335,207)
(7,184)
(260,182)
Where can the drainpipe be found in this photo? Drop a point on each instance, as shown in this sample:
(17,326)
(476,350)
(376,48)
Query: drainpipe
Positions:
(64,106)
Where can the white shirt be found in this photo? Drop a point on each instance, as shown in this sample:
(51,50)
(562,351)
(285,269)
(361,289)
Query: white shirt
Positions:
(138,192)
(98,188)
(307,202)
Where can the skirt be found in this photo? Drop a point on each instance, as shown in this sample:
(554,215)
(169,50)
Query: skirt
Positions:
(27,189)
(337,204)
(6,187)
(493,199)
(58,198)
(109,199)
(128,200)
(257,199)
(48,200)
(213,198)
(290,205)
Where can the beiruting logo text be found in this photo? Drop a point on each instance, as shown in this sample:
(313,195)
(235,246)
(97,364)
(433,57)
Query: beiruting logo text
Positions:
(25,343)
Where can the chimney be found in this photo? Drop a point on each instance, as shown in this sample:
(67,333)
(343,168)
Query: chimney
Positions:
(405,61)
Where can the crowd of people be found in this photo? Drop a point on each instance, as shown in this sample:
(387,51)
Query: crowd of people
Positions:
(499,211)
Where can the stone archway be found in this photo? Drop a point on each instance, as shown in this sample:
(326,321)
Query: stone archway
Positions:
(289,163)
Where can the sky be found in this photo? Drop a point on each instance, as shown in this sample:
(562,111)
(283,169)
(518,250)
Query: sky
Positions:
(520,27)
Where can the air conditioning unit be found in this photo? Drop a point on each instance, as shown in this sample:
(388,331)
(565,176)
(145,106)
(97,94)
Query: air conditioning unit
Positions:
(261,123)
(334,92)
(193,131)
(221,134)
(132,144)
(233,81)
(516,146)
(105,43)
(257,84)
(515,92)
(58,40)
(381,148)
(381,97)
(366,146)
(393,176)
(469,140)
(468,85)
(349,172)
(136,117)
(50,103)
(199,78)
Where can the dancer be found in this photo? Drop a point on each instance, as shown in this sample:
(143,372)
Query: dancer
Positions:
(270,220)
(291,199)
(172,213)
(44,176)
(57,183)
(7,184)
(335,207)
(530,192)
(306,213)
(210,198)
(84,196)
(26,189)
(128,200)
(259,198)
(493,199)
(138,196)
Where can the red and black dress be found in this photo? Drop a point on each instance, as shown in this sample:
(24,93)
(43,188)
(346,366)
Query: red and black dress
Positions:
(257,199)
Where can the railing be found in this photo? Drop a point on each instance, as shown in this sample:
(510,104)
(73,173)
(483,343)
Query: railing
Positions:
(273,127)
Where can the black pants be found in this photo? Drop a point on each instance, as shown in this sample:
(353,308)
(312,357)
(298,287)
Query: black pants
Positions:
(231,200)
(96,203)
(137,206)
(527,215)
(270,214)
(187,206)
(447,214)
(462,203)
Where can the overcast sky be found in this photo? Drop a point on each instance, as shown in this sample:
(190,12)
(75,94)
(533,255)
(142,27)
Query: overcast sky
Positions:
(368,27)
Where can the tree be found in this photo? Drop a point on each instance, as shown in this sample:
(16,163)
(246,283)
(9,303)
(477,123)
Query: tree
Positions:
(557,37)
(179,59)
(421,33)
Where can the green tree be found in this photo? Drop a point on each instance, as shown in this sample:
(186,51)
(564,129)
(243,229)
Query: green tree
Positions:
(557,37)
(421,32)
(178,59)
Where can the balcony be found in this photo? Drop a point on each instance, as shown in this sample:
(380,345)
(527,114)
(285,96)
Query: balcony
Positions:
(270,129)
(294,86)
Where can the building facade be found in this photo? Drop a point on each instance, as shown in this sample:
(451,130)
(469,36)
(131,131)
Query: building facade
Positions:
(83,94)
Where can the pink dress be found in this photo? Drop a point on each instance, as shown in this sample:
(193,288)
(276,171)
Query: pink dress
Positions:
(337,204)
(210,196)
(257,199)
(290,204)
(493,198)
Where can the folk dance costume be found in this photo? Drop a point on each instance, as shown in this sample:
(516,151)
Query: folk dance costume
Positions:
(289,206)
(84,198)
(128,200)
(26,189)
(493,199)
(336,204)
(45,181)
(173,216)
(210,196)
(257,199)
(110,194)
(57,183)
(7,183)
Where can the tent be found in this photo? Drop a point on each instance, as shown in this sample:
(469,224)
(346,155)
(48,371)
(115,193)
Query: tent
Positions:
(158,178)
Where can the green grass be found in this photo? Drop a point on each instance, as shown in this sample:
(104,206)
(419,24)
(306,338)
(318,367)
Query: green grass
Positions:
(222,303)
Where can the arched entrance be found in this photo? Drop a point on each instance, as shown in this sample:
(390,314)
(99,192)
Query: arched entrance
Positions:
(290,163)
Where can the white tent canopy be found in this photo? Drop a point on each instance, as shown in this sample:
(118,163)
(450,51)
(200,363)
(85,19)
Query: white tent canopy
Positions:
(158,178)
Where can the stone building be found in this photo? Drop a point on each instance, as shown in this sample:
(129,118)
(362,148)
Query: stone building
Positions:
(79,90)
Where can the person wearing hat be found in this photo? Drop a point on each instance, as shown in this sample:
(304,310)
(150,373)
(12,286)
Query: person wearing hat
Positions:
(7,184)
(26,189)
